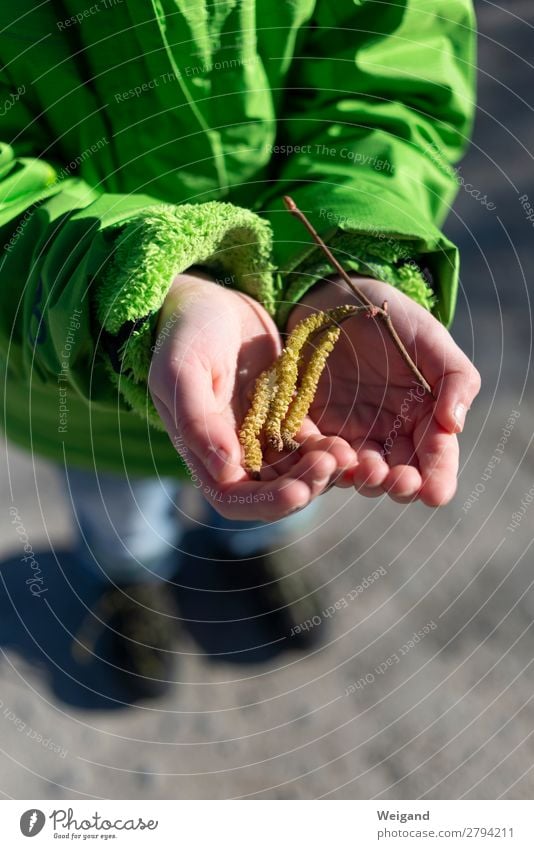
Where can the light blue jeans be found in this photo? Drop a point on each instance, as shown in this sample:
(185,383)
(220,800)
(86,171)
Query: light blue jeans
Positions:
(130,529)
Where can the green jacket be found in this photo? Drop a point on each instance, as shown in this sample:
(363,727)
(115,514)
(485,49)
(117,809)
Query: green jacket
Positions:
(141,138)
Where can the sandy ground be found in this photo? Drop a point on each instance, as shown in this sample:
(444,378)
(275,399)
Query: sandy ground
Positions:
(451,716)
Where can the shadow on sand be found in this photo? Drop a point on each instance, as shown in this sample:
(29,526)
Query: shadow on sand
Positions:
(38,621)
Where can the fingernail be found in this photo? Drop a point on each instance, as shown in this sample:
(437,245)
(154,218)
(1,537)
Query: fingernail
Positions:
(216,462)
(460,412)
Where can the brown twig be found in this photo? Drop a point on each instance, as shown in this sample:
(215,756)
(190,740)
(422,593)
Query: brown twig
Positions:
(373,310)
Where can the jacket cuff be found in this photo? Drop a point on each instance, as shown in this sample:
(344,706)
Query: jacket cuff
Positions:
(390,231)
(380,257)
(148,252)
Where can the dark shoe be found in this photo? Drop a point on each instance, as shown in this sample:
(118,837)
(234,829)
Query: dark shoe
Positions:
(132,628)
(245,610)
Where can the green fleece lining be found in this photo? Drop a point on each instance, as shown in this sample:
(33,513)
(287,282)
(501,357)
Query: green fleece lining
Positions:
(138,397)
(166,240)
(151,250)
(384,259)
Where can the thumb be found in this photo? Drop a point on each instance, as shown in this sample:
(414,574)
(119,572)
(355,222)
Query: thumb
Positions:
(201,434)
(455,392)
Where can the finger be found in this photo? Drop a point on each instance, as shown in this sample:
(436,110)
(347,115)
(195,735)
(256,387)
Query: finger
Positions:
(343,480)
(403,481)
(371,469)
(276,463)
(438,455)
(204,431)
(401,452)
(257,500)
(316,469)
(309,439)
(274,499)
(454,379)
(455,393)
(207,442)
(243,499)
(370,491)
(344,454)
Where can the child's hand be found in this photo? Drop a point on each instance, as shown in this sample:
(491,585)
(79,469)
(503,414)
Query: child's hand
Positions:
(406,441)
(214,343)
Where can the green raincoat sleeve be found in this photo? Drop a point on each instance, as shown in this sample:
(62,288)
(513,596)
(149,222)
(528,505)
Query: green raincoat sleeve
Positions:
(378,107)
(82,271)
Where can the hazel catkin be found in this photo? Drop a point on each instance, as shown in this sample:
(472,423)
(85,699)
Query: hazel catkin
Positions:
(284,393)
(302,401)
(254,421)
(287,368)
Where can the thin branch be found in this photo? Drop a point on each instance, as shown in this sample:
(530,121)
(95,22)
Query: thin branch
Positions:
(373,310)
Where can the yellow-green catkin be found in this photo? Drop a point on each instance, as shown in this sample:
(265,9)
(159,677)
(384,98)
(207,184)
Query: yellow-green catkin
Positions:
(339,313)
(254,421)
(307,388)
(287,369)
(278,405)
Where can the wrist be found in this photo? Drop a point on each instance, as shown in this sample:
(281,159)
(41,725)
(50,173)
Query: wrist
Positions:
(186,286)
